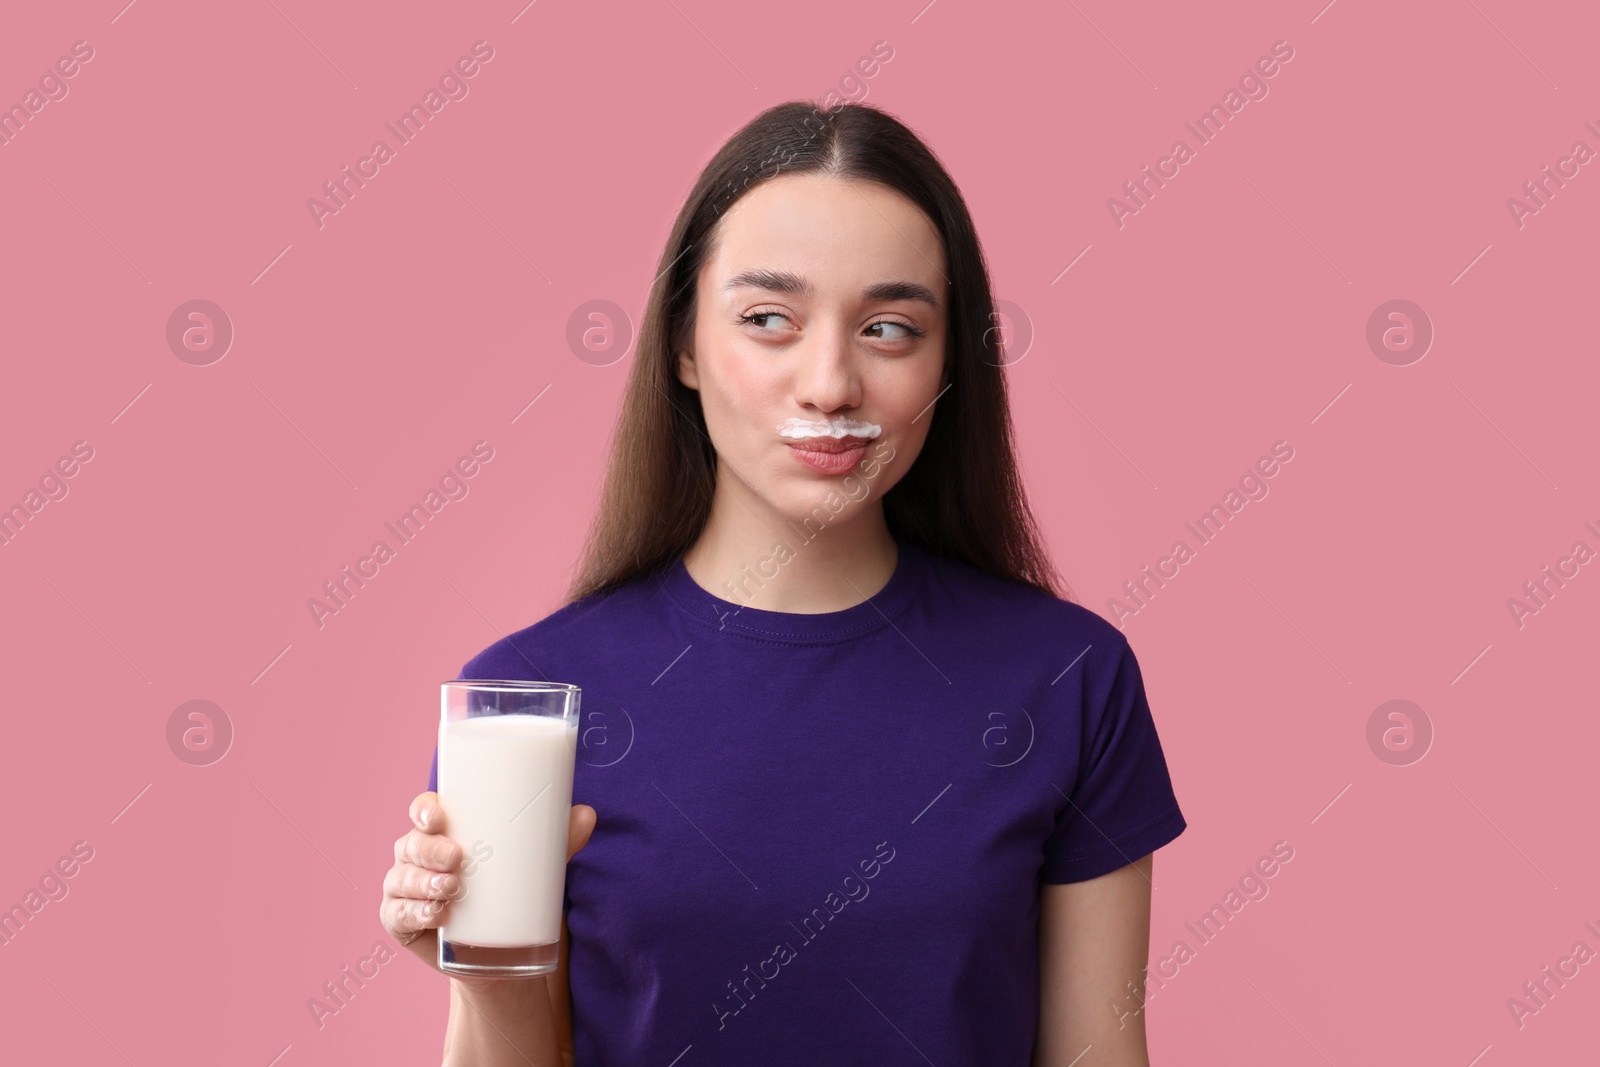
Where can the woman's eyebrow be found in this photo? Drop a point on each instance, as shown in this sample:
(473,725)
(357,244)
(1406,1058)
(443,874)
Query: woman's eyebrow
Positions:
(782,281)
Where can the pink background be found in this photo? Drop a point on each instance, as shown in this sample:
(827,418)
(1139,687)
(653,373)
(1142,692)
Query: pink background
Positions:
(1228,314)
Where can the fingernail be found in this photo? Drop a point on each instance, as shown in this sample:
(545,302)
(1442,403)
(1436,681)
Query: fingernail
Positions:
(436,882)
(427,816)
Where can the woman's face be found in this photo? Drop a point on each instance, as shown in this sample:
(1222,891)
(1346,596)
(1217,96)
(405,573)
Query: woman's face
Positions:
(819,343)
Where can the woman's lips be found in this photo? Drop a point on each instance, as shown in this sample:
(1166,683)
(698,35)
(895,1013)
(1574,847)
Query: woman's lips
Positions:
(829,455)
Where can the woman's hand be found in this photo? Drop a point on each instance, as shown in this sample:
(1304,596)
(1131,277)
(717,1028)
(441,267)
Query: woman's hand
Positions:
(424,877)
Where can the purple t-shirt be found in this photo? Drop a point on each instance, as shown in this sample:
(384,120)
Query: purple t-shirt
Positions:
(821,838)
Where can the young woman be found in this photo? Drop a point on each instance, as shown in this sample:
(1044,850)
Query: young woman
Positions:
(868,789)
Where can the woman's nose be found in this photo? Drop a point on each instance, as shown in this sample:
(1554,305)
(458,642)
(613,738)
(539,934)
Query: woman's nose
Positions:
(827,377)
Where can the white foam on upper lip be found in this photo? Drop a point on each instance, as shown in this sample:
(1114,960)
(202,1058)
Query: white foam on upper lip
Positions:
(803,428)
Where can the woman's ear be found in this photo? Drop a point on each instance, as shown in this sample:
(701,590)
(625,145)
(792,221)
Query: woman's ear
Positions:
(688,374)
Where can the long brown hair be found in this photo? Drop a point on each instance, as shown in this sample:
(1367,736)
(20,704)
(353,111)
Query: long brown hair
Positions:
(962,498)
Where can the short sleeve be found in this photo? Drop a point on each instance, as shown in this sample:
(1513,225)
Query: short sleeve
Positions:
(1122,806)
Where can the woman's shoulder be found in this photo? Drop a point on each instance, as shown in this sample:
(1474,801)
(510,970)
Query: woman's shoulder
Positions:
(1011,606)
(547,645)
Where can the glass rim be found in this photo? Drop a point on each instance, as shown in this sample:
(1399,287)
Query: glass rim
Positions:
(508,685)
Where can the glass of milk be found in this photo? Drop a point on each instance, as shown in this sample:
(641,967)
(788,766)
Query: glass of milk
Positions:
(506,755)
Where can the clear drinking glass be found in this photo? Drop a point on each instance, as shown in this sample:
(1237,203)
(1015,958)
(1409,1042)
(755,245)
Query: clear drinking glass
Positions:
(506,756)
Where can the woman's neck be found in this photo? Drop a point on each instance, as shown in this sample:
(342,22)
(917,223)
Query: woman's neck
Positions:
(803,566)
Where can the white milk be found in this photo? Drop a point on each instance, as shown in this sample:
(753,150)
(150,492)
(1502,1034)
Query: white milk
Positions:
(491,770)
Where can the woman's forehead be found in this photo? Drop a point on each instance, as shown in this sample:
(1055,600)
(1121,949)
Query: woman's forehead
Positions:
(825,233)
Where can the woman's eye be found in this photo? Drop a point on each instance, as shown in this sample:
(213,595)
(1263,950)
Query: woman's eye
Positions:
(761,321)
(906,331)
(756,318)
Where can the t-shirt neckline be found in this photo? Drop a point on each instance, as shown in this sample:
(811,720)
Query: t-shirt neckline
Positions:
(827,627)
